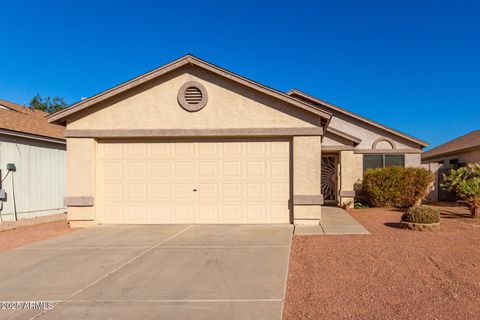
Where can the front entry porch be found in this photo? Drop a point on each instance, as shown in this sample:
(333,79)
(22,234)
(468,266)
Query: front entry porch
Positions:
(340,172)
(334,221)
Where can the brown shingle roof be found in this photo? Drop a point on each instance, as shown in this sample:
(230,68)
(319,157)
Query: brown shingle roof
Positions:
(468,141)
(23,119)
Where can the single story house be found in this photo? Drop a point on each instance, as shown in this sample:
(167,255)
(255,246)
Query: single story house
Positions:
(455,153)
(450,155)
(191,142)
(32,164)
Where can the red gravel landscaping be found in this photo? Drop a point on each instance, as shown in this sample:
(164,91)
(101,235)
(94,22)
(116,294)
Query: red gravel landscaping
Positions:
(390,274)
(10,239)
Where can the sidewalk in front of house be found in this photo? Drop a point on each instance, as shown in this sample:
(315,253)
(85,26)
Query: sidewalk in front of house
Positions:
(334,221)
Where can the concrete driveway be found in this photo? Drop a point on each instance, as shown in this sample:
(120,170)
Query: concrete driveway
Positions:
(151,272)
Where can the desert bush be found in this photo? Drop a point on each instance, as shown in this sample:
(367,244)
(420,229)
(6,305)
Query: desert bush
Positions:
(466,183)
(398,187)
(421,215)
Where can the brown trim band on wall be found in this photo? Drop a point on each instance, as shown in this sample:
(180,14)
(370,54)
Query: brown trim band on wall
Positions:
(78,201)
(337,148)
(172,133)
(387,151)
(308,199)
(347,193)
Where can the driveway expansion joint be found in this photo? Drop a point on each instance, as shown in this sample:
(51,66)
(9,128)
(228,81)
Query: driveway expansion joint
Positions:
(113,271)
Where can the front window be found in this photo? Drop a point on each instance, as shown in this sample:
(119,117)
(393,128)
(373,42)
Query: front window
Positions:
(374,161)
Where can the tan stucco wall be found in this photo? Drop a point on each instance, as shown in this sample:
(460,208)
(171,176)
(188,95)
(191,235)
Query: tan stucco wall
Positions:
(367,133)
(81,179)
(413,159)
(306,177)
(351,174)
(154,105)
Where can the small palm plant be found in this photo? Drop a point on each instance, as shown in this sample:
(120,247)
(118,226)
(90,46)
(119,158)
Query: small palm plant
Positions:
(466,183)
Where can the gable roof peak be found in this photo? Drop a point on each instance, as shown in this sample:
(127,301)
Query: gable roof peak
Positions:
(184,60)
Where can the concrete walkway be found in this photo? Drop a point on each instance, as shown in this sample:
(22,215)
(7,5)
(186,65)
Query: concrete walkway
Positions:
(334,221)
(152,272)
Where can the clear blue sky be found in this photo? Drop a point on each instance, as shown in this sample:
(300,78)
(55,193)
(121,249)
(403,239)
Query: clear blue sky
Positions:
(412,65)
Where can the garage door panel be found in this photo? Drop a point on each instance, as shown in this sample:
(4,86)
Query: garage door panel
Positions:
(256,213)
(161,150)
(183,150)
(232,169)
(208,169)
(136,169)
(255,191)
(183,169)
(160,214)
(232,213)
(136,214)
(160,191)
(231,150)
(113,214)
(256,169)
(112,169)
(183,191)
(136,191)
(231,191)
(112,151)
(207,192)
(207,214)
(113,192)
(194,182)
(160,169)
(136,150)
(279,191)
(184,214)
(208,150)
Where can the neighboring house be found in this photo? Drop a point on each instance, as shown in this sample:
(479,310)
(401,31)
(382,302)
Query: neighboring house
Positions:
(191,142)
(451,155)
(37,150)
(457,152)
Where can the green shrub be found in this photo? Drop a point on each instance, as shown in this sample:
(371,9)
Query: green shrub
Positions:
(466,183)
(421,215)
(398,187)
(359,205)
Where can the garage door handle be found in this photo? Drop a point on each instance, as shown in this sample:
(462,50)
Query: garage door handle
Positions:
(194,190)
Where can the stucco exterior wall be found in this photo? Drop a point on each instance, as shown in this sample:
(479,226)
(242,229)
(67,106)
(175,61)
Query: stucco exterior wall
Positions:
(367,133)
(306,179)
(413,159)
(154,105)
(81,164)
(39,182)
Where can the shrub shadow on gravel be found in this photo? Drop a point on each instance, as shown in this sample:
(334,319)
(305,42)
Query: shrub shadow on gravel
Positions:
(395,225)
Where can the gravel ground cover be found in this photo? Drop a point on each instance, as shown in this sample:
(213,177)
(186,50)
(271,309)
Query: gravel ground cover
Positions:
(391,274)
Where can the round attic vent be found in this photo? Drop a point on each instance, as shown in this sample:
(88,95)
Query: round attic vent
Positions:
(192,96)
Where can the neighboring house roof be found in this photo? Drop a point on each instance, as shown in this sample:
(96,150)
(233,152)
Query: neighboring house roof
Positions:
(20,119)
(188,60)
(466,142)
(319,103)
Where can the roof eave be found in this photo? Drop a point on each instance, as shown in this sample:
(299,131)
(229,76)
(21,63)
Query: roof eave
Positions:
(421,143)
(32,136)
(59,116)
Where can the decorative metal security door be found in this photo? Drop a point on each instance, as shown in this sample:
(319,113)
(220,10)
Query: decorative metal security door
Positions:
(329,178)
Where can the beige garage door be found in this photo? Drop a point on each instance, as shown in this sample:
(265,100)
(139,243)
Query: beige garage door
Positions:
(194,182)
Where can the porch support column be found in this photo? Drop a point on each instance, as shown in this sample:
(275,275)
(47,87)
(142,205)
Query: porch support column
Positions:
(307,197)
(348,168)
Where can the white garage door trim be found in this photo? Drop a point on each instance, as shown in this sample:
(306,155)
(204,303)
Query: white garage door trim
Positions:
(154,181)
